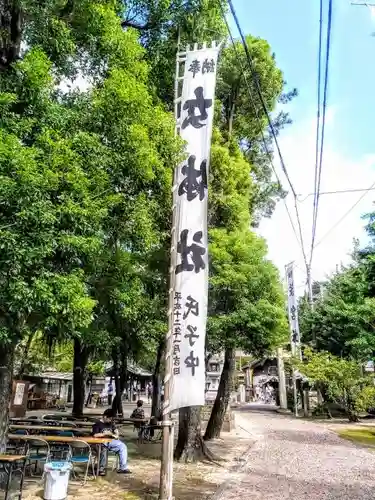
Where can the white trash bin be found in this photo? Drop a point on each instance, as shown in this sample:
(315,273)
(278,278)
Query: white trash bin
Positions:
(56,480)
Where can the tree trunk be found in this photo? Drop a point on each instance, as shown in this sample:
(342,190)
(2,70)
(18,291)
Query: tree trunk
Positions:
(352,416)
(6,376)
(81,357)
(319,394)
(89,394)
(231,118)
(121,374)
(123,377)
(219,409)
(156,380)
(190,445)
(116,403)
(10,33)
(231,104)
(25,356)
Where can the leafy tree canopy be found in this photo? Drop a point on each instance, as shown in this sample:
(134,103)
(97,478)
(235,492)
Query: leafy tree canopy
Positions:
(343,321)
(76,164)
(246,298)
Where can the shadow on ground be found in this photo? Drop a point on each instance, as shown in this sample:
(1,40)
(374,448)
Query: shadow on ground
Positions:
(308,437)
(191,481)
(255,408)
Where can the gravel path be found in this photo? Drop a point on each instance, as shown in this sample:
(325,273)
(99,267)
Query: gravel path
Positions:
(298,460)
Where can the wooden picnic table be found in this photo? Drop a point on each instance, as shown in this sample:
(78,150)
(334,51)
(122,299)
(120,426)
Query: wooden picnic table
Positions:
(47,428)
(132,420)
(10,464)
(28,420)
(62,439)
(66,440)
(78,423)
(50,423)
(72,423)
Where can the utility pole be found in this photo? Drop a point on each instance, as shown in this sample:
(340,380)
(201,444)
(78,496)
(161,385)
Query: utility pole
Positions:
(306,392)
(310,292)
(309,286)
(293,325)
(166,467)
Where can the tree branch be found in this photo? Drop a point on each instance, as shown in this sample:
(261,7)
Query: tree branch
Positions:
(136,26)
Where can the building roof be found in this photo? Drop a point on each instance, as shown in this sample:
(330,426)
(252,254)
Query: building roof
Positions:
(133,368)
(256,362)
(52,375)
(138,370)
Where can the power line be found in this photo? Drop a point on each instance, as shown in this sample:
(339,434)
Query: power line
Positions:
(317,187)
(318,115)
(259,92)
(260,124)
(371,188)
(342,191)
(272,129)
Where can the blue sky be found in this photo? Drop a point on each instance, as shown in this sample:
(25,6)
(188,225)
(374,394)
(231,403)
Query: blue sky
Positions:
(291,27)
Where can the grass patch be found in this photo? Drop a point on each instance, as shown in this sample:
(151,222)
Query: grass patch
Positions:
(130,496)
(363,436)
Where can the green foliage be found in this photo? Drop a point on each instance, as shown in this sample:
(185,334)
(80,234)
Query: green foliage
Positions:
(34,355)
(366,398)
(342,322)
(96,368)
(86,175)
(342,378)
(241,119)
(85,179)
(238,114)
(161,23)
(230,186)
(51,215)
(246,300)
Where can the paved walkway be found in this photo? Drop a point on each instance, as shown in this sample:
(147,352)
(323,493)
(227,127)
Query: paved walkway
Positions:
(298,460)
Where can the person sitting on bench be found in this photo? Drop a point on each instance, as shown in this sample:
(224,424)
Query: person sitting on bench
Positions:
(139,414)
(105,428)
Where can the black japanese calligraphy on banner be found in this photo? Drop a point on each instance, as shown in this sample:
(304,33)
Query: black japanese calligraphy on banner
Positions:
(207,66)
(191,306)
(190,263)
(192,362)
(177,330)
(292,310)
(195,182)
(199,104)
(191,255)
(192,334)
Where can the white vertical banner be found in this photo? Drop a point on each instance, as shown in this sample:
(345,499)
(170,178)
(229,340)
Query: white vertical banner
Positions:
(191,256)
(295,339)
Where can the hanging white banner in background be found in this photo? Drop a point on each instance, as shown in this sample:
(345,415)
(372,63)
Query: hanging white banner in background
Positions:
(295,339)
(191,263)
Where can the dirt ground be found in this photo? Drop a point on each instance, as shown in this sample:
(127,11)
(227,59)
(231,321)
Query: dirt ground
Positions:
(191,481)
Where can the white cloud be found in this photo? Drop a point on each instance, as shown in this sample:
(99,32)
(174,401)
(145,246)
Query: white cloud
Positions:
(372,11)
(338,173)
